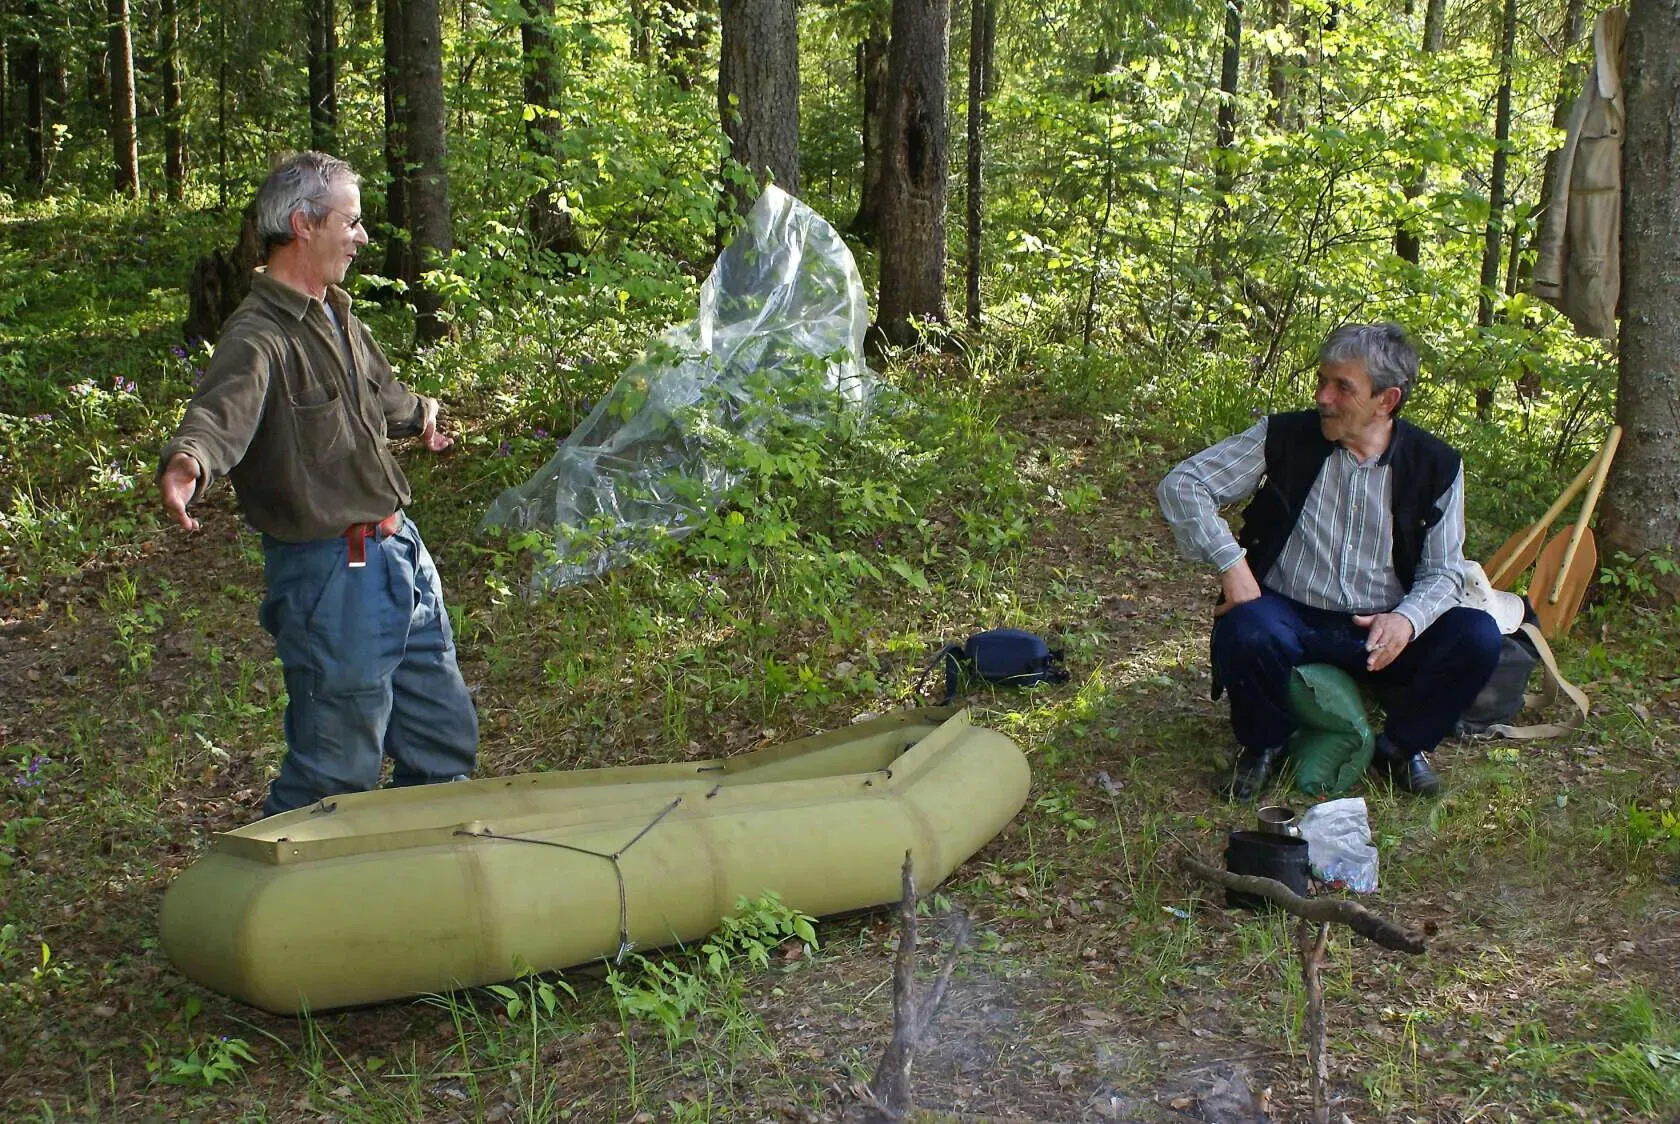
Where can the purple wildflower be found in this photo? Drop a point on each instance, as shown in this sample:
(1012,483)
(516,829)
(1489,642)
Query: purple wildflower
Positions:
(177,351)
(504,450)
(539,433)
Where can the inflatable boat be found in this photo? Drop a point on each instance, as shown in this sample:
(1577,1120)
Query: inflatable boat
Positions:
(400,892)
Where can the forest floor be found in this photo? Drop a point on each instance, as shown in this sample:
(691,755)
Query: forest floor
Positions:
(140,711)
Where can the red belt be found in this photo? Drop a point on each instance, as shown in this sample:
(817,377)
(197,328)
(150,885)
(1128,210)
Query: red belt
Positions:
(358,533)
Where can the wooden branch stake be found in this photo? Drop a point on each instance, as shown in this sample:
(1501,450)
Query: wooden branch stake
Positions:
(1312,934)
(886,1099)
(1312,963)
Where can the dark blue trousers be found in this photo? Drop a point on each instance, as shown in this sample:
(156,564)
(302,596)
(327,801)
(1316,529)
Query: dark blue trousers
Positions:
(1425,689)
(369,661)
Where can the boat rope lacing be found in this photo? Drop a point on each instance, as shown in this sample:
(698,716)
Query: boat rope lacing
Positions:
(625,944)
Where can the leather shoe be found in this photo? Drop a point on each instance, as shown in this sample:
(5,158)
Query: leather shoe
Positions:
(1253,768)
(1412,774)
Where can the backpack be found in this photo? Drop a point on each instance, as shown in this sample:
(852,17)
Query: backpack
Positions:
(1506,693)
(1001,656)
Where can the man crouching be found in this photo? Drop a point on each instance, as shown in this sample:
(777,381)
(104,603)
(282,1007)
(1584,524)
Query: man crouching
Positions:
(1351,553)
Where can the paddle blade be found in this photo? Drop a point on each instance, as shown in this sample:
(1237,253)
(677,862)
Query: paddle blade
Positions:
(1511,561)
(1556,616)
(1577,576)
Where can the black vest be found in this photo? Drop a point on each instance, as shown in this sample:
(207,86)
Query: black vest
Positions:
(1422,469)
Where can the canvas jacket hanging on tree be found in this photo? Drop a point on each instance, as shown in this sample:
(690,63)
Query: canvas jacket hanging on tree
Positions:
(1579,267)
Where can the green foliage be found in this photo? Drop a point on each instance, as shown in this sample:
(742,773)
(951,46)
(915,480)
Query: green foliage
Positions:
(759,926)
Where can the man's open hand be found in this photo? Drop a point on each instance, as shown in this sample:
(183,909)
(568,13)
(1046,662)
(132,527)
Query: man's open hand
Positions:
(178,483)
(431,436)
(1388,635)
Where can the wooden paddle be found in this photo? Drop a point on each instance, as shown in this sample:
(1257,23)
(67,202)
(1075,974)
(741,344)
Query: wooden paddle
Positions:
(1519,551)
(1567,564)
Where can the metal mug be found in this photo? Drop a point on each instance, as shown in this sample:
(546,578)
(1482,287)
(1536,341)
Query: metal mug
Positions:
(1280,819)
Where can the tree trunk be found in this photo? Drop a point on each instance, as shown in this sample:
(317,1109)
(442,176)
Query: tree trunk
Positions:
(428,183)
(1225,134)
(914,170)
(5,105)
(758,94)
(1642,500)
(1569,88)
(872,78)
(687,29)
(978,17)
(221,106)
(125,149)
(34,78)
(1406,243)
(174,142)
(550,224)
(399,249)
(1277,75)
(322,34)
(1496,181)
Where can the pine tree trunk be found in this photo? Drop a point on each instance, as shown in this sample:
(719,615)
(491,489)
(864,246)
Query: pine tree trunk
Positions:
(978,18)
(550,225)
(872,78)
(428,183)
(1496,181)
(758,93)
(322,35)
(914,171)
(125,149)
(174,136)
(399,248)
(1406,243)
(1642,500)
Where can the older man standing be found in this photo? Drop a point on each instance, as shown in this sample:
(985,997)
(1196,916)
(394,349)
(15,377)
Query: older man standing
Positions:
(1351,553)
(297,408)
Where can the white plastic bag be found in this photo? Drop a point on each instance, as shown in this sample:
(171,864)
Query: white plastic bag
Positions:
(1339,849)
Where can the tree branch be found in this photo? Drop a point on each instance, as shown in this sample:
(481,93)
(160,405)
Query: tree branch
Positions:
(1324,910)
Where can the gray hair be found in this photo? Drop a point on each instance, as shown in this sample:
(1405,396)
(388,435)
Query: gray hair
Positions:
(1389,356)
(298,183)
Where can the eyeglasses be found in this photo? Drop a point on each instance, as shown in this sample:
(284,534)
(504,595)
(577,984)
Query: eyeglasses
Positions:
(351,222)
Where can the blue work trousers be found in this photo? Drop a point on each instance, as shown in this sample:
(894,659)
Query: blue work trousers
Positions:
(1425,689)
(369,662)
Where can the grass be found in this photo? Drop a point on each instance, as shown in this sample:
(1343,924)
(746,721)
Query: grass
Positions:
(140,710)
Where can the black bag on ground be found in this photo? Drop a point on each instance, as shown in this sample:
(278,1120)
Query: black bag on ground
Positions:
(1008,657)
(1501,699)
(1506,694)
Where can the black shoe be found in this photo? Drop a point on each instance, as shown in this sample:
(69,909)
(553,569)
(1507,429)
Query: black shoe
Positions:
(1253,768)
(1411,774)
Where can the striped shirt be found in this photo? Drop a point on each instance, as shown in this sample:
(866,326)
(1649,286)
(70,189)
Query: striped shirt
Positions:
(1340,555)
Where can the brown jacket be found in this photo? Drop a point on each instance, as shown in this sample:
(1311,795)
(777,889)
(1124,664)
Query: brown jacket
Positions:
(304,440)
(1579,264)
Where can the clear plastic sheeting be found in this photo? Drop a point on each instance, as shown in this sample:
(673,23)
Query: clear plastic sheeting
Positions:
(778,341)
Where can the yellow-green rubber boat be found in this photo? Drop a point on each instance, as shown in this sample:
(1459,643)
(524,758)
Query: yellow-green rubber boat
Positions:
(401,892)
